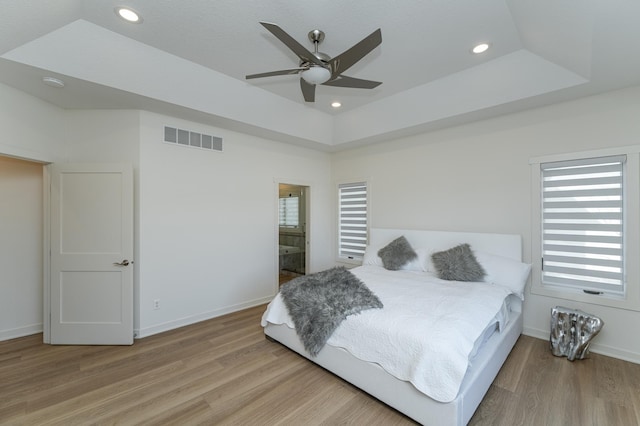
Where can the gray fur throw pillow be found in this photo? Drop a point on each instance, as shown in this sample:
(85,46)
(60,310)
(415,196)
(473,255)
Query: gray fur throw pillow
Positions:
(458,264)
(396,254)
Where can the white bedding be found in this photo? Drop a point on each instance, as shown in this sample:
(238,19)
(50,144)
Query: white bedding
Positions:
(426,331)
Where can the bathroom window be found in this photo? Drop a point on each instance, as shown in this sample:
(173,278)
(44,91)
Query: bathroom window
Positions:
(352,220)
(289,212)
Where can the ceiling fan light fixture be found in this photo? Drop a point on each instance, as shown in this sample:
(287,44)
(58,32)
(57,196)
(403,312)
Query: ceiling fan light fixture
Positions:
(316,75)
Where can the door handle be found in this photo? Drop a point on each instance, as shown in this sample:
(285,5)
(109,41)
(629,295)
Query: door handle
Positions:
(123,263)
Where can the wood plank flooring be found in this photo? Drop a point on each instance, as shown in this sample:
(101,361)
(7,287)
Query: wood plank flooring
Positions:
(224,372)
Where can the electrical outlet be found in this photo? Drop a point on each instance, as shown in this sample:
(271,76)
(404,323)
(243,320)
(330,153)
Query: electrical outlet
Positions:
(156,304)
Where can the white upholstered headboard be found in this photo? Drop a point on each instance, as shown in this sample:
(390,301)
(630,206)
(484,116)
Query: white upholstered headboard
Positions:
(507,245)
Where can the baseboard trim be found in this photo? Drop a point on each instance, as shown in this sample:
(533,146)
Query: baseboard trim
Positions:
(595,347)
(14,333)
(171,325)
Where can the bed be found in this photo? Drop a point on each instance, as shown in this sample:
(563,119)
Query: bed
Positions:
(402,386)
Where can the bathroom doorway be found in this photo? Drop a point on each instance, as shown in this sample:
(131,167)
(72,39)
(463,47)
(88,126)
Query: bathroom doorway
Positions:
(293,212)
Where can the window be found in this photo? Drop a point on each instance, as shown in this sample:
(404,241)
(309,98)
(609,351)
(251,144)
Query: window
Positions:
(352,227)
(289,212)
(583,224)
(585,227)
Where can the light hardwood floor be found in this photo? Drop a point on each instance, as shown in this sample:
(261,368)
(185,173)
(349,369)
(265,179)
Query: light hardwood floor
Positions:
(223,371)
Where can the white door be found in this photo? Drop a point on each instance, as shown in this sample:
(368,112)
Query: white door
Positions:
(91,279)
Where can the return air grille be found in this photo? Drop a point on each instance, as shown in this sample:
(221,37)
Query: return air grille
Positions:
(193,139)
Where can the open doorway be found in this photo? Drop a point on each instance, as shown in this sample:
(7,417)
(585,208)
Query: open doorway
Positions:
(21,246)
(292,231)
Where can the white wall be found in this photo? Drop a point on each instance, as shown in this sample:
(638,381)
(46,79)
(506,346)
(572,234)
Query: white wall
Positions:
(477,178)
(31,129)
(208,221)
(107,136)
(20,248)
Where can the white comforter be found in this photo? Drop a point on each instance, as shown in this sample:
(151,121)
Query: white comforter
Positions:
(425,332)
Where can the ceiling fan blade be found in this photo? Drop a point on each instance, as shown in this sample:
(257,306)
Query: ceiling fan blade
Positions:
(274,73)
(348,58)
(357,83)
(308,91)
(291,43)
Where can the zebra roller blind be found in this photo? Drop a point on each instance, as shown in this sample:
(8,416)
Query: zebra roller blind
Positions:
(352,238)
(583,224)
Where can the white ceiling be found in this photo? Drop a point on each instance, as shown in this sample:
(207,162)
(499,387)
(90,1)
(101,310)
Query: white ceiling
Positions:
(188,59)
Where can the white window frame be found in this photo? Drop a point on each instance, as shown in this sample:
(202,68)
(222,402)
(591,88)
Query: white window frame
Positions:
(631,297)
(342,256)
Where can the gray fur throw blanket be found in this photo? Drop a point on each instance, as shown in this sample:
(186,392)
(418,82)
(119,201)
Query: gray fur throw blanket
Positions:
(318,303)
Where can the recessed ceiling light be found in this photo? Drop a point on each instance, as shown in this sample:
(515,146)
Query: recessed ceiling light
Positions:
(336,104)
(53,82)
(128,14)
(480,48)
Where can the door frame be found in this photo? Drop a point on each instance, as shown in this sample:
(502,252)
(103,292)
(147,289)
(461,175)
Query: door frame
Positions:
(307,243)
(46,255)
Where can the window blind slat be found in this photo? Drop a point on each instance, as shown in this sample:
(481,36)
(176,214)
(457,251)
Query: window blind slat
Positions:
(581,227)
(577,216)
(585,182)
(594,251)
(550,196)
(593,240)
(578,204)
(579,262)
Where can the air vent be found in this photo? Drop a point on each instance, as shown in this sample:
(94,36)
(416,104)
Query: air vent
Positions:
(192,139)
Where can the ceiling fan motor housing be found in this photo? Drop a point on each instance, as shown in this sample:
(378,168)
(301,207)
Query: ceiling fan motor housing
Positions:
(316,36)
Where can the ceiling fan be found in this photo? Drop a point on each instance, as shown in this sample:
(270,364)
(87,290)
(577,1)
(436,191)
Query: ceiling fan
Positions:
(319,68)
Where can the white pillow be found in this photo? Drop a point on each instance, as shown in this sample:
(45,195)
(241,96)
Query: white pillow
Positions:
(418,264)
(371,257)
(505,272)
